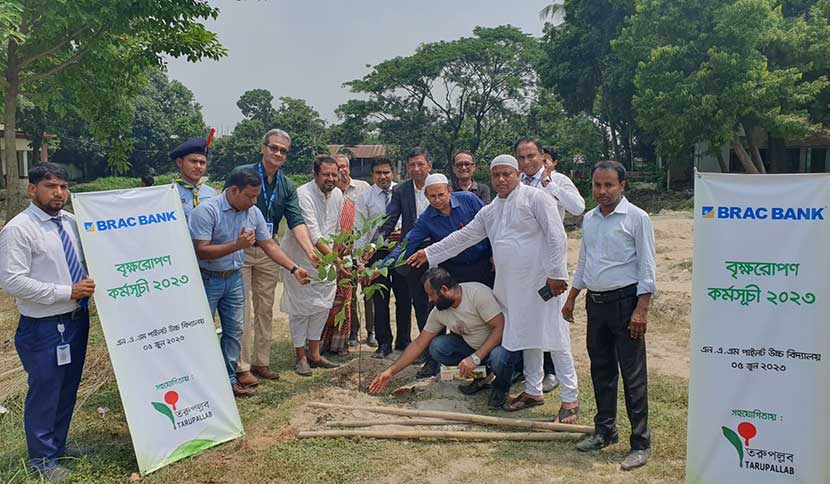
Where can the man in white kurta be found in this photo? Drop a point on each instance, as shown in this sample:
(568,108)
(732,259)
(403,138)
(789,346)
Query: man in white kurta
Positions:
(529,251)
(321,203)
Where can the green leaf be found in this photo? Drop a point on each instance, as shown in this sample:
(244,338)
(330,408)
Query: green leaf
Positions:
(165,410)
(733,438)
(332,275)
(189,448)
(384,272)
(322,273)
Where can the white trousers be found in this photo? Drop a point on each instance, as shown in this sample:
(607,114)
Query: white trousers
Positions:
(307,327)
(566,372)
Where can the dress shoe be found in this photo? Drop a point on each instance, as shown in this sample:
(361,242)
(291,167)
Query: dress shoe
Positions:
(302,368)
(635,459)
(246,379)
(596,442)
(265,373)
(322,363)
(382,352)
(430,369)
(55,473)
(549,383)
(371,341)
(240,392)
(496,400)
(353,341)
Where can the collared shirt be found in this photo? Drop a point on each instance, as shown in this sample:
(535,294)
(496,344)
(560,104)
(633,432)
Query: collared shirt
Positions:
(434,226)
(617,250)
(284,200)
(534,180)
(566,195)
(206,192)
(355,188)
(480,190)
(218,222)
(372,203)
(33,266)
(421,202)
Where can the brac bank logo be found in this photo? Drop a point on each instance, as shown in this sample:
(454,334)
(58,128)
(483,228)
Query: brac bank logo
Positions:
(127,222)
(725,212)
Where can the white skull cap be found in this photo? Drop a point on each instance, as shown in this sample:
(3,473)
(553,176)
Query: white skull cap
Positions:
(435,179)
(508,160)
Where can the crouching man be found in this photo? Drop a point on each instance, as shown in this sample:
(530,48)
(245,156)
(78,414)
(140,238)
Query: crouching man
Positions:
(475,320)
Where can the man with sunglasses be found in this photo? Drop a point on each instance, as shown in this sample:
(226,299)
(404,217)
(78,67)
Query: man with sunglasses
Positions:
(277,199)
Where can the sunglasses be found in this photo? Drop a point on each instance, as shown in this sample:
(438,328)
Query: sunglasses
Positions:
(277,149)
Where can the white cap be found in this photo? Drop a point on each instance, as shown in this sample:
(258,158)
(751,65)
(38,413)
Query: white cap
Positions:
(504,160)
(435,179)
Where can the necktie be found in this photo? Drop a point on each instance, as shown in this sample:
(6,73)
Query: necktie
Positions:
(527,180)
(387,194)
(189,186)
(76,271)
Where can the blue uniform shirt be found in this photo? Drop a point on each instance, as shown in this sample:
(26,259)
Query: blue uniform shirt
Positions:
(206,192)
(215,220)
(433,226)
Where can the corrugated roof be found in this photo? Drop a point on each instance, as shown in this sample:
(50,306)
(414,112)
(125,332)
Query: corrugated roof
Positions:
(359,151)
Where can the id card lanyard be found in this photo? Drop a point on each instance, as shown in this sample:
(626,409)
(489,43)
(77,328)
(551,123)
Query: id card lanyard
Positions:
(63,353)
(269,201)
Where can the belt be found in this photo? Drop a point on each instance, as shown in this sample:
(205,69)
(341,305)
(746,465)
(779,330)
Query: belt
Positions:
(76,314)
(615,295)
(223,274)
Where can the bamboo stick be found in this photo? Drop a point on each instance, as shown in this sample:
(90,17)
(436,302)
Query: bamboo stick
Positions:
(402,421)
(465,417)
(440,434)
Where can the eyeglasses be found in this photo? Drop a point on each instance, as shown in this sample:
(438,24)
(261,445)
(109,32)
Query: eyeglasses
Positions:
(464,165)
(276,149)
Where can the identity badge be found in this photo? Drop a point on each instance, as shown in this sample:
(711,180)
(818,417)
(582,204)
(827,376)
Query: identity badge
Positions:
(270,226)
(64,356)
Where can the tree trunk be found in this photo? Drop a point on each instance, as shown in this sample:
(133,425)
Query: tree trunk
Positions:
(724,166)
(743,156)
(15,201)
(756,154)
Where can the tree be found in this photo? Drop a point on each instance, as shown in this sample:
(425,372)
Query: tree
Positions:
(590,76)
(704,74)
(94,51)
(433,95)
(294,116)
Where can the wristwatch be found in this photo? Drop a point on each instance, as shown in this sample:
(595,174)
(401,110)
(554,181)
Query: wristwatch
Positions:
(294,269)
(476,359)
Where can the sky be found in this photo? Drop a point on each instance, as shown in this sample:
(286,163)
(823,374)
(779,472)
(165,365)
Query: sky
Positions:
(308,49)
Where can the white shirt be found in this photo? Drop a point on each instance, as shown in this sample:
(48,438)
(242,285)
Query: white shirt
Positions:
(566,194)
(561,188)
(421,202)
(529,246)
(355,188)
(617,250)
(321,213)
(33,266)
(371,203)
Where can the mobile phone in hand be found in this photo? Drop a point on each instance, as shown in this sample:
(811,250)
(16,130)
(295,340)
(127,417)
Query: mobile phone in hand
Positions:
(545,293)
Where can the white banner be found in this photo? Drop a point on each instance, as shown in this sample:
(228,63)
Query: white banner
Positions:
(759,393)
(155,316)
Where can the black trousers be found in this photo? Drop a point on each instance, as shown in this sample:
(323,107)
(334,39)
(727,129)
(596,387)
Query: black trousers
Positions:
(417,296)
(380,301)
(613,351)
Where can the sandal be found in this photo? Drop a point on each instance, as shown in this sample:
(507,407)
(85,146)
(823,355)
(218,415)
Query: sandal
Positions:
(474,387)
(567,413)
(522,402)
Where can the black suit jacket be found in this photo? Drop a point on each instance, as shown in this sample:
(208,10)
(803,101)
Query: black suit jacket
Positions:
(402,205)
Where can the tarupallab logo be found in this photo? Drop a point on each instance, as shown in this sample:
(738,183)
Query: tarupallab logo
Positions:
(128,222)
(754,459)
(725,212)
(747,431)
(170,398)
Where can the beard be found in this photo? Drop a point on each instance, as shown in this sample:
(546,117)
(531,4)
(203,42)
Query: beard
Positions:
(443,303)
